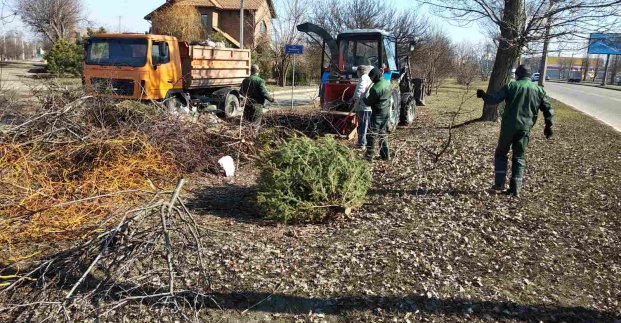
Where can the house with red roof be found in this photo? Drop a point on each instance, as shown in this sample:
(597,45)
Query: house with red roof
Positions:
(222,16)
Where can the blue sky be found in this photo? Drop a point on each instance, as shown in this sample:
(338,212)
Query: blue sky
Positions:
(107,12)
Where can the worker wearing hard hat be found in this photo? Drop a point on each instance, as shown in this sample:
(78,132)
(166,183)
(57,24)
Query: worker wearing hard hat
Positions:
(523,100)
(379,99)
(254,89)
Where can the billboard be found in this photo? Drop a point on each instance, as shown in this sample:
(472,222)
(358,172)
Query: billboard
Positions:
(605,44)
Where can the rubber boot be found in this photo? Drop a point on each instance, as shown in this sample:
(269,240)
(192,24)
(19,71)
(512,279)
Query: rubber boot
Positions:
(496,189)
(515,187)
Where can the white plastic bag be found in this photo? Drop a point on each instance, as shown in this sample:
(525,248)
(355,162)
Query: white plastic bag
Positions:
(228,164)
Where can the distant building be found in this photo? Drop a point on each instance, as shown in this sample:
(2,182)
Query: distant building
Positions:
(222,16)
(562,67)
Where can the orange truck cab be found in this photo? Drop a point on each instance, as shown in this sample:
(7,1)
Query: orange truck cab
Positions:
(162,69)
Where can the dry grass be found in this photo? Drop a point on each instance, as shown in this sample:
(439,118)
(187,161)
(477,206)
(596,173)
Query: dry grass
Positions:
(72,190)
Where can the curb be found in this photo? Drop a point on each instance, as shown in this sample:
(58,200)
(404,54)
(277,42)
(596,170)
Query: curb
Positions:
(295,91)
(616,88)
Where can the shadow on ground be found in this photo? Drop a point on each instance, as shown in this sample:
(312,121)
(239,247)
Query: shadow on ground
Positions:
(422,192)
(498,310)
(227,201)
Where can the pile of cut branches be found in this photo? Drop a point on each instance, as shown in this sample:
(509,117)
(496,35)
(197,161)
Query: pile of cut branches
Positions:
(151,256)
(78,161)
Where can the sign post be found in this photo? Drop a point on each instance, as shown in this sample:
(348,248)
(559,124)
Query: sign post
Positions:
(293,50)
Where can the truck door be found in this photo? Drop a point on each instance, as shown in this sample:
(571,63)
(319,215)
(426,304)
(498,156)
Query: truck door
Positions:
(163,77)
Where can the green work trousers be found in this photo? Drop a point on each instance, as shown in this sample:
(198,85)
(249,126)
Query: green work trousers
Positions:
(253,113)
(517,142)
(377,129)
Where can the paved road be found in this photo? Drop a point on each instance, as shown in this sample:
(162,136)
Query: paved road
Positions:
(300,98)
(602,104)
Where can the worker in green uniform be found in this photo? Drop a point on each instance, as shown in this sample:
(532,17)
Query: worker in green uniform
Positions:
(379,99)
(255,91)
(523,99)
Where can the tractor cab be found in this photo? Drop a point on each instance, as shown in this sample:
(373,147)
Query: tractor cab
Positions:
(372,47)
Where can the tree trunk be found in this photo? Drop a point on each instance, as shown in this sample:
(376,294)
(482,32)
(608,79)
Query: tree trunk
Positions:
(606,70)
(586,68)
(613,70)
(596,68)
(282,76)
(509,49)
(543,65)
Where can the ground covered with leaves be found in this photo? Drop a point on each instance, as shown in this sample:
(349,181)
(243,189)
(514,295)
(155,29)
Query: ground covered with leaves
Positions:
(431,244)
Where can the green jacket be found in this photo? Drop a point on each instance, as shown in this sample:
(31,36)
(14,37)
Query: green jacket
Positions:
(523,99)
(379,97)
(253,87)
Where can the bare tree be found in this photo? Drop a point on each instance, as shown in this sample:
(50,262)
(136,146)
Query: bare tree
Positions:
(484,54)
(433,59)
(13,46)
(338,15)
(615,68)
(521,23)
(292,13)
(181,21)
(55,19)
(466,63)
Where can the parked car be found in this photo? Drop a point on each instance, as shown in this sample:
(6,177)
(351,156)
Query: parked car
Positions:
(536,77)
(575,76)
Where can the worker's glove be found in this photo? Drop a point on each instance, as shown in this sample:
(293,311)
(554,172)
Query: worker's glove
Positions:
(480,93)
(548,132)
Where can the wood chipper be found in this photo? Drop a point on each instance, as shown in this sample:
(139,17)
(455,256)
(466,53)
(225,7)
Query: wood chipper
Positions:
(340,61)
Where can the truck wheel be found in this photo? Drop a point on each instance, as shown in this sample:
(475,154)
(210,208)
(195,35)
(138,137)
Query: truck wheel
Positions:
(408,109)
(395,112)
(232,108)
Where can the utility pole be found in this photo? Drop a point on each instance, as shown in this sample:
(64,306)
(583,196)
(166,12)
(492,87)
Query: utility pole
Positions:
(241,25)
(120,17)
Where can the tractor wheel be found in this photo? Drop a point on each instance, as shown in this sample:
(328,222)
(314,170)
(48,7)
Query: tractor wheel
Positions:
(408,109)
(232,108)
(395,112)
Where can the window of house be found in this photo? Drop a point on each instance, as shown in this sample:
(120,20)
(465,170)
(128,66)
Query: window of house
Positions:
(205,21)
(263,27)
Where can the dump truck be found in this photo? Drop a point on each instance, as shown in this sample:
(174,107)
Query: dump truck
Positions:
(158,68)
(353,48)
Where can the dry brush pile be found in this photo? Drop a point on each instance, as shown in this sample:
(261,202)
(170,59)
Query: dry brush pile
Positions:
(87,207)
(92,224)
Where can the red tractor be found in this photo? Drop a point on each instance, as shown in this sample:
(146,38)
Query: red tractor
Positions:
(356,47)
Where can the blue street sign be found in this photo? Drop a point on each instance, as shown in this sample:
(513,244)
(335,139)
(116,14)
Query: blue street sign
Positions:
(605,44)
(294,49)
